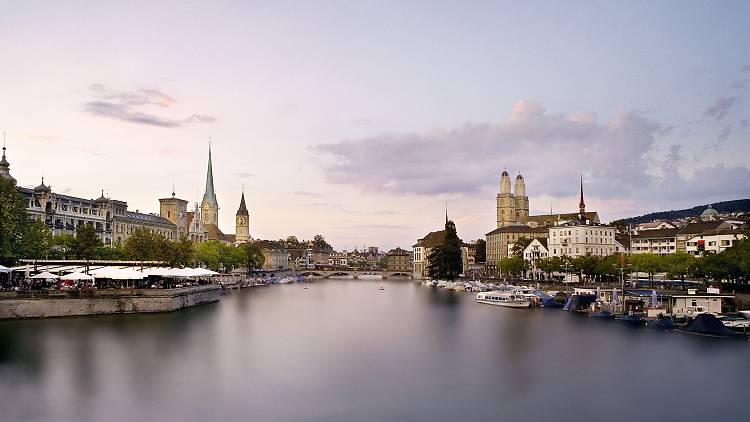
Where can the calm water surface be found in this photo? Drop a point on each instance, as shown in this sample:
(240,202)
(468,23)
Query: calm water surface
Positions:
(345,351)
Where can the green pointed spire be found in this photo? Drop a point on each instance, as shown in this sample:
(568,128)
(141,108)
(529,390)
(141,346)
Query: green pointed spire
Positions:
(210,195)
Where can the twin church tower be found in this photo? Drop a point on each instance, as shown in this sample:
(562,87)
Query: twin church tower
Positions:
(512,207)
(210,211)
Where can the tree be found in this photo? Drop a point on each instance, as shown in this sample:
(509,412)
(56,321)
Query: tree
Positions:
(180,253)
(86,241)
(480,251)
(679,265)
(291,242)
(210,254)
(319,242)
(514,266)
(62,246)
(519,245)
(14,222)
(253,255)
(36,240)
(445,261)
(146,245)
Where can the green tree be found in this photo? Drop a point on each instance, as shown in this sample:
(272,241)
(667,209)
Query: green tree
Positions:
(519,245)
(62,246)
(209,254)
(513,266)
(180,253)
(291,242)
(146,245)
(36,240)
(446,261)
(253,256)
(319,242)
(480,253)
(86,241)
(14,223)
(678,265)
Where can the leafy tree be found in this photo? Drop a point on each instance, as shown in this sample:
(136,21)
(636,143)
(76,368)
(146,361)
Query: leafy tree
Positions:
(549,265)
(446,261)
(62,246)
(319,242)
(112,253)
(180,253)
(519,245)
(480,252)
(291,242)
(146,245)
(36,240)
(514,266)
(383,263)
(678,265)
(253,255)
(210,254)
(14,223)
(86,241)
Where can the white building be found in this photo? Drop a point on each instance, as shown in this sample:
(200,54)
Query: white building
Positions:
(581,238)
(714,241)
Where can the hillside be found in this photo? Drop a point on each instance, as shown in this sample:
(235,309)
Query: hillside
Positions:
(737,205)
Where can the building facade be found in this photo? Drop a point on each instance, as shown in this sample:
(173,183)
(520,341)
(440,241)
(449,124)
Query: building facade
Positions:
(175,210)
(422,250)
(498,240)
(242,220)
(210,204)
(581,238)
(399,260)
(512,207)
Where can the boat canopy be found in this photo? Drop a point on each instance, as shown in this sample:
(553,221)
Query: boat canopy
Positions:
(707,324)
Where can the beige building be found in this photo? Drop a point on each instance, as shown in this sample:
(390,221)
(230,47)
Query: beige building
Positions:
(512,207)
(399,260)
(242,220)
(422,250)
(499,239)
(175,210)
(655,241)
(196,230)
(581,238)
(275,254)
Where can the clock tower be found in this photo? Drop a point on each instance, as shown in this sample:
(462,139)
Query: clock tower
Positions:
(209,205)
(243,222)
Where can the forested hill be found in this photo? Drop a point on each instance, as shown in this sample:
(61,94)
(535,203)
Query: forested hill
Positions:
(738,205)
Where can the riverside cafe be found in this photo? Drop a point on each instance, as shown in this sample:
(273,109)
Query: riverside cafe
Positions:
(108,276)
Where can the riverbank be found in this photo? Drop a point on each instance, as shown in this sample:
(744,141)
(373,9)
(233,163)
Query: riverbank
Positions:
(57,303)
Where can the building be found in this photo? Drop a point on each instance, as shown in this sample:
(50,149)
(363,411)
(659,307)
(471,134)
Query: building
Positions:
(581,236)
(422,250)
(536,249)
(339,259)
(498,240)
(715,241)
(692,229)
(5,169)
(210,205)
(175,210)
(126,224)
(196,231)
(512,207)
(242,220)
(660,241)
(399,260)
(275,254)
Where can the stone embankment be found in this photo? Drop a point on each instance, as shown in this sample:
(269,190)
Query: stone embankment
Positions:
(51,303)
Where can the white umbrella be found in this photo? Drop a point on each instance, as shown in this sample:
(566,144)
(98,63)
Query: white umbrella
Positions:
(4,269)
(76,276)
(45,276)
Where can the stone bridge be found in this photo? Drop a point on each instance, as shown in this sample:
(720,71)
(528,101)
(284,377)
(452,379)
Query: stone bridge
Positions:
(352,273)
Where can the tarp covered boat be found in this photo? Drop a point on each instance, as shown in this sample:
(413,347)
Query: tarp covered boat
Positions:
(579,303)
(708,325)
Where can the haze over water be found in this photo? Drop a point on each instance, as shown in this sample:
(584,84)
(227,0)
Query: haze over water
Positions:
(344,351)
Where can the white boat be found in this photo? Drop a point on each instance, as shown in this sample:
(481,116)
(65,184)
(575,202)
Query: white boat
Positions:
(506,299)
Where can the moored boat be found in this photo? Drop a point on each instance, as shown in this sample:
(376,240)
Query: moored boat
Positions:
(506,299)
(603,314)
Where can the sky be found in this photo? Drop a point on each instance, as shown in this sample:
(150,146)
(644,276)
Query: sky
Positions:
(360,120)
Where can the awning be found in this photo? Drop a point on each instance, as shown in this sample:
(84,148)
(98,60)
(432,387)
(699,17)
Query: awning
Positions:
(45,276)
(76,276)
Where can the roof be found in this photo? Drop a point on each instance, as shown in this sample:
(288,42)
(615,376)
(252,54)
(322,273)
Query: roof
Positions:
(550,219)
(398,251)
(700,227)
(214,233)
(243,208)
(145,218)
(434,239)
(519,228)
(656,234)
(270,244)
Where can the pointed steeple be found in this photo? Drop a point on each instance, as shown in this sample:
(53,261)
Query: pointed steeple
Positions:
(210,195)
(243,208)
(582,205)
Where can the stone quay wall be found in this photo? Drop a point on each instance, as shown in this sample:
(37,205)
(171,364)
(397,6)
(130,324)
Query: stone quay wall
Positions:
(49,303)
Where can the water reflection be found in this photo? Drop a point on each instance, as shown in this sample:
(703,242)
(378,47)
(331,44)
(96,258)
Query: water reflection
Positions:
(343,350)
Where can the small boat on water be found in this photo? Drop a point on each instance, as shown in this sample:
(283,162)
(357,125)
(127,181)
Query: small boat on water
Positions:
(662,323)
(709,326)
(381,288)
(631,319)
(506,299)
(604,314)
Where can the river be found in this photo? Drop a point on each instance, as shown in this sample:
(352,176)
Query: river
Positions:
(344,351)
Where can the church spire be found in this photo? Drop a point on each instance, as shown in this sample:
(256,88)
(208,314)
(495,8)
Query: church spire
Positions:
(210,195)
(243,208)
(5,166)
(582,205)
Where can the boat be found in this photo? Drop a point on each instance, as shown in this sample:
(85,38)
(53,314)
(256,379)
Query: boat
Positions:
(579,302)
(381,288)
(662,323)
(305,287)
(631,319)
(708,325)
(506,299)
(603,314)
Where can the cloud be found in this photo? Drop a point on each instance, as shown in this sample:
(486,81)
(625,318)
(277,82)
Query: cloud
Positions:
(123,105)
(721,107)
(745,68)
(741,84)
(309,194)
(744,123)
(725,132)
(244,174)
(618,159)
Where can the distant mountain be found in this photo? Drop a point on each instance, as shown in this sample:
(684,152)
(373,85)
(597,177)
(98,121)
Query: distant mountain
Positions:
(738,205)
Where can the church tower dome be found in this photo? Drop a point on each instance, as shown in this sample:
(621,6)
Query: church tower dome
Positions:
(5,166)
